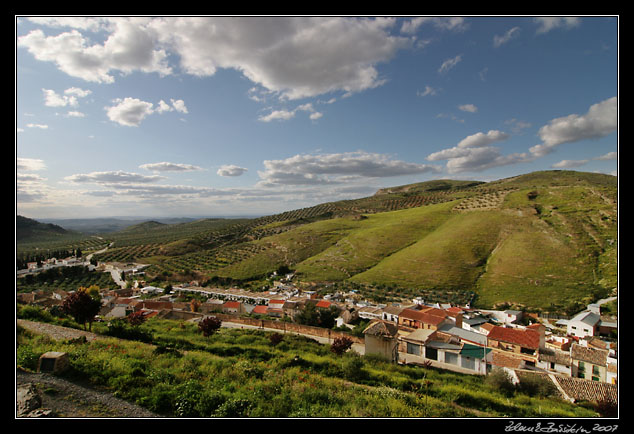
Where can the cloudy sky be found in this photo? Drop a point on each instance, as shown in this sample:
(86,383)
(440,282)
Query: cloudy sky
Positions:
(225,116)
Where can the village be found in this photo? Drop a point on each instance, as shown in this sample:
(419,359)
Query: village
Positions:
(577,355)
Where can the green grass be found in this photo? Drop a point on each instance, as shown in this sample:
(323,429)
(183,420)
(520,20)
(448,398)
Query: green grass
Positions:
(451,257)
(238,373)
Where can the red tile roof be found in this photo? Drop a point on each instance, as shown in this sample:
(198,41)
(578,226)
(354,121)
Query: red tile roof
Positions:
(232,304)
(525,338)
(323,303)
(427,317)
(259,309)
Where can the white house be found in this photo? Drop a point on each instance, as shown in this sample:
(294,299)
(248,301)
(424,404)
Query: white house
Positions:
(583,324)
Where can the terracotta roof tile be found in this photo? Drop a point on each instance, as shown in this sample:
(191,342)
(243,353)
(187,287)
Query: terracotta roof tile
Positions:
(525,338)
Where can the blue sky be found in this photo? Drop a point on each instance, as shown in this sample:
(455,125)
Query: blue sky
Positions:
(219,116)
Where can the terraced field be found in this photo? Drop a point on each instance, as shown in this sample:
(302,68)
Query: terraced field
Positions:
(545,240)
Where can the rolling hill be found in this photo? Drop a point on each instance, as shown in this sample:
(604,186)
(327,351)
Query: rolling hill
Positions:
(544,240)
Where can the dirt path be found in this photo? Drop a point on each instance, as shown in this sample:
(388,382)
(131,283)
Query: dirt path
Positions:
(71,398)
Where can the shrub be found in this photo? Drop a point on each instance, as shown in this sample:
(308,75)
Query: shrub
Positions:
(500,380)
(209,325)
(353,369)
(119,328)
(26,357)
(534,385)
(341,345)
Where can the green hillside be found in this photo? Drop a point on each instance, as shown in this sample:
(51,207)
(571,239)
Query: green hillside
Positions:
(545,240)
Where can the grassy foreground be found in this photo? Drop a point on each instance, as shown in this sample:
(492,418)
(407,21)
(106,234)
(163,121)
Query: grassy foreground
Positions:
(241,373)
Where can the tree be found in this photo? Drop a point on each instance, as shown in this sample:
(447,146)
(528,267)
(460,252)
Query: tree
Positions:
(341,345)
(276,338)
(209,325)
(136,318)
(82,307)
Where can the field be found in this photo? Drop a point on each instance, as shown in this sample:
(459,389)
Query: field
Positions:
(544,240)
(242,373)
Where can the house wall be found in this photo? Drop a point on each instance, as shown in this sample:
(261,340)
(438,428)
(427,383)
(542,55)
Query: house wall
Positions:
(385,348)
(580,329)
(589,371)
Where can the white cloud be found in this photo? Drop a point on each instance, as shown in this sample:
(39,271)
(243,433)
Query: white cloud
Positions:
(75,114)
(449,64)
(471,108)
(600,120)
(295,57)
(52,99)
(130,46)
(608,156)
(129,111)
(569,164)
(510,34)
(428,91)
(278,115)
(230,170)
(179,105)
(169,167)
(284,115)
(443,23)
(329,168)
(163,107)
(474,153)
(132,111)
(546,24)
(29,164)
(112,177)
(40,126)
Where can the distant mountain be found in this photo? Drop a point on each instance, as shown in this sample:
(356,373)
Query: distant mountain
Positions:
(107,225)
(545,239)
(28,229)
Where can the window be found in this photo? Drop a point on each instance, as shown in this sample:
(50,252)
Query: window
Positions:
(468,363)
(451,358)
(431,353)
(413,349)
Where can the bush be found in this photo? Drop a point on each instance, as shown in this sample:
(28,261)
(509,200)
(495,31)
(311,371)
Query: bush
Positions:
(119,328)
(26,357)
(353,369)
(535,385)
(500,380)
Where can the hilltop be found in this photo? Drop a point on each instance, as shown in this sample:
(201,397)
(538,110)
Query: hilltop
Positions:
(546,240)
(26,229)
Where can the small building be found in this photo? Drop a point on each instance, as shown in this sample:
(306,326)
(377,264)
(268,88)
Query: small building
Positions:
(523,344)
(589,363)
(584,324)
(381,339)
(232,307)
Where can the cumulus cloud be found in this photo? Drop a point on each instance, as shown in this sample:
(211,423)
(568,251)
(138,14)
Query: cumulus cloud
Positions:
(130,47)
(600,120)
(474,153)
(129,111)
(330,168)
(169,167)
(132,111)
(231,170)
(295,57)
